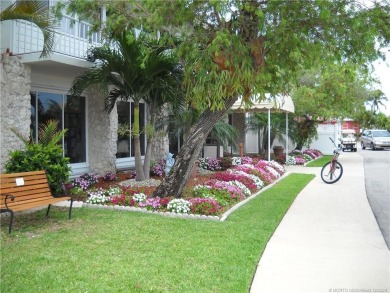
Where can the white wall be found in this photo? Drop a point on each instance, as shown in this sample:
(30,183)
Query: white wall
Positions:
(323,142)
(251,142)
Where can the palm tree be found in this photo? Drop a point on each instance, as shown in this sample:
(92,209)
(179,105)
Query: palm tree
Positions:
(132,71)
(376,99)
(259,122)
(37,12)
(167,90)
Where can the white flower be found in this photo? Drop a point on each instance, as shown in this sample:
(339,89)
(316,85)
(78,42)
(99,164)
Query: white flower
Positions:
(277,166)
(139,197)
(97,196)
(290,161)
(236,161)
(256,180)
(179,206)
(113,191)
(250,166)
(199,186)
(273,171)
(244,189)
(259,183)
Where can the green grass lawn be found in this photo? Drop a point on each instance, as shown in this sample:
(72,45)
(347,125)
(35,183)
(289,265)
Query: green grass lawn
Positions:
(320,161)
(111,251)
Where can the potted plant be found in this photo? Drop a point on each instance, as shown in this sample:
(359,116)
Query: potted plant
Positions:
(278,150)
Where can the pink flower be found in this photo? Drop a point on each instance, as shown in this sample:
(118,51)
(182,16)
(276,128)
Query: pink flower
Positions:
(205,206)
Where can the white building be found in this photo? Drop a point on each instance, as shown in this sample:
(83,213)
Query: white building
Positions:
(34,90)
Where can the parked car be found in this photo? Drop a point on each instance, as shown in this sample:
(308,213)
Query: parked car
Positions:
(348,140)
(375,139)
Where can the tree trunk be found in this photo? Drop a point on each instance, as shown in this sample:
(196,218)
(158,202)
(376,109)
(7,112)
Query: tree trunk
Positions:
(149,143)
(148,154)
(140,176)
(174,183)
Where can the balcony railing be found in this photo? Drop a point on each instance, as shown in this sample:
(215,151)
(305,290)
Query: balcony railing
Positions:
(72,38)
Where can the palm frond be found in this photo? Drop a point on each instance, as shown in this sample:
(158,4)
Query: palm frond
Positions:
(225,133)
(112,97)
(48,133)
(26,140)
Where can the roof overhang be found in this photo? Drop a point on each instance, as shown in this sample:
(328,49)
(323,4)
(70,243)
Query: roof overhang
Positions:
(278,103)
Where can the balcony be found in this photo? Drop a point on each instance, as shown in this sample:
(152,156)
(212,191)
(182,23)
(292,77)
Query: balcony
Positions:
(72,40)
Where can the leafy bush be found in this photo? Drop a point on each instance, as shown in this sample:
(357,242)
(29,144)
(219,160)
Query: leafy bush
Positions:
(45,155)
(40,157)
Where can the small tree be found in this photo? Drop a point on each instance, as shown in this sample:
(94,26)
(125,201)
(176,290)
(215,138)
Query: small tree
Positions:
(132,70)
(259,122)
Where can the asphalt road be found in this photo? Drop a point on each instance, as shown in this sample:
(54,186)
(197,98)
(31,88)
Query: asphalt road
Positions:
(377,177)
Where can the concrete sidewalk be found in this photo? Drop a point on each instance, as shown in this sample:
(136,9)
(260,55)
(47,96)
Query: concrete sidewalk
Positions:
(329,240)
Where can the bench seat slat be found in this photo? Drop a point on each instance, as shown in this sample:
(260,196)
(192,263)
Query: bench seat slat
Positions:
(34,204)
(22,201)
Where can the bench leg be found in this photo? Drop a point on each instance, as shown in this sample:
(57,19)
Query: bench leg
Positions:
(48,209)
(70,208)
(10,220)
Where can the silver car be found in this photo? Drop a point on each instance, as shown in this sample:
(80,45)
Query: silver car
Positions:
(375,139)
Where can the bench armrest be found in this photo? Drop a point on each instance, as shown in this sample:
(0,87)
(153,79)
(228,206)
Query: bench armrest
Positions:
(12,197)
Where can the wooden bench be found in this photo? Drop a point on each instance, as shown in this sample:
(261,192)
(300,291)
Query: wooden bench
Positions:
(27,190)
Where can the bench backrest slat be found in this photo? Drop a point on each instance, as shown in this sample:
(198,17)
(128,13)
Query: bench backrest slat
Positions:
(11,183)
(26,189)
(35,187)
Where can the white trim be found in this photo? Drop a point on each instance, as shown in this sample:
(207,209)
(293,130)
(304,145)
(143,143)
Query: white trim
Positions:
(126,163)
(78,169)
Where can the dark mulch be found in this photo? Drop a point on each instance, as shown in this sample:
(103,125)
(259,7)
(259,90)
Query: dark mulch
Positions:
(148,190)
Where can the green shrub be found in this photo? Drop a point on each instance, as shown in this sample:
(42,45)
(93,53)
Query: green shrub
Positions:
(39,157)
(45,155)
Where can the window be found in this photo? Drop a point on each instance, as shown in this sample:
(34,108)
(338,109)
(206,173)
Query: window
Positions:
(70,113)
(125,142)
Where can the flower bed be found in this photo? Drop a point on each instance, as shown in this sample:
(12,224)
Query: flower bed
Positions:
(208,195)
(299,158)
